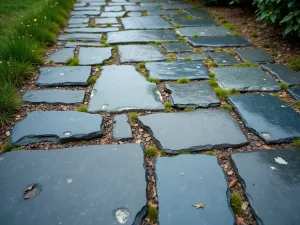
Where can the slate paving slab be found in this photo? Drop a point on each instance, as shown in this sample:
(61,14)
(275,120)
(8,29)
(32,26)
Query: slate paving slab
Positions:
(85,13)
(295,92)
(193,57)
(272,183)
(113,14)
(245,79)
(203,181)
(223,41)
(193,95)
(177,16)
(116,8)
(177,47)
(140,53)
(54,96)
(64,76)
(223,58)
(106,20)
(134,14)
(141,36)
(56,126)
(122,88)
(87,8)
(195,23)
(159,12)
(145,22)
(178,69)
(203,31)
(93,56)
(198,13)
(75,175)
(79,20)
(61,55)
(283,73)
(177,6)
(84,44)
(80,37)
(141,8)
(254,55)
(91,30)
(121,129)
(268,117)
(78,25)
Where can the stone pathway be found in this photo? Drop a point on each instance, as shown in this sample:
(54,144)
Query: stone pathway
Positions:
(103,171)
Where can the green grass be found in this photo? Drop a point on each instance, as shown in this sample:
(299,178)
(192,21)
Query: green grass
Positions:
(151,151)
(195,35)
(236,203)
(72,61)
(227,107)
(296,143)
(187,59)
(294,64)
(92,80)
(133,116)
(213,83)
(228,26)
(283,86)
(144,13)
(82,108)
(231,53)
(297,105)
(152,214)
(246,64)
(141,65)
(168,106)
(210,153)
(5,147)
(153,80)
(183,80)
(189,109)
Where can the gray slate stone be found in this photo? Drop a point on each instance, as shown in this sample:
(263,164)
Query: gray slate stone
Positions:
(79,20)
(193,131)
(121,129)
(61,55)
(223,58)
(54,96)
(134,14)
(177,47)
(104,179)
(254,55)
(193,95)
(245,79)
(64,76)
(268,117)
(195,23)
(177,6)
(194,57)
(283,73)
(226,41)
(91,30)
(85,13)
(112,14)
(178,69)
(208,49)
(159,12)
(203,181)
(145,22)
(78,25)
(177,16)
(295,92)
(272,181)
(198,13)
(113,8)
(87,8)
(84,44)
(122,88)
(121,3)
(80,37)
(141,8)
(140,53)
(94,56)
(203,31)
(105,20)
(56,126)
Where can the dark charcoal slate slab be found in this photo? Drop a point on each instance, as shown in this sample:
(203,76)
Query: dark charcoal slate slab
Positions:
(178,69)
(56,126)
(93,56)
(121,129)
(177,47)
(208,49)
(84,44)
(85,13)
(159,12)
(226,41)
(203,31)
(139,53)
(272,183)
(195,23)
(113,8)
(295,92)
(64,76)
(107,180)
(193,57)
(177,16)
(245,79)
(106,20)
(198,13)
(141,8)
(79,20)
(271,119)
(134,14)
(177,6)
(61,56)
(203,181)
(140,36)
(223,58)
(193,131)
(112,14)
(54,96)
(91,30)
(283,73)
(80,37)
(78,25)
(145,22)
(122,88)
(87,8)
(193,95)
(254,55)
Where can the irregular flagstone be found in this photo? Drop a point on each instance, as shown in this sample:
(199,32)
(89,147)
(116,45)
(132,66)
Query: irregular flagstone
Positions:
(91,30)
(283,73)
(295,92)
(87,8)
(78,25)
(203,31)
(177,16)
(198,13)
(85,44)
(141,8)
(121,3)
(193,131)
(139,53)
(193,57)
(94,56)
(245,79)
(113,8)
(178,69)
(66,177)
(87,13)
(54,96)
(145,22)
(177,47)
(223,58)
(271,179)
(202,180)
(177,6)
(134,14)
(80,37)
(140,36)
(61,55)
(56,126)
(79,20)
(208,49)
(195,23)
(122,88)
(254,55)
(113,14)
(105,20)
(121,129)
(64,76)
(159,12)
(193,95)
(269,118)
(226,41)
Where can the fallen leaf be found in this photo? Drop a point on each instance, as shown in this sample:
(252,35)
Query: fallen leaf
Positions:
(230,172)
(232,183)
(198,206)
(30,191)
(245,205)
(182,174)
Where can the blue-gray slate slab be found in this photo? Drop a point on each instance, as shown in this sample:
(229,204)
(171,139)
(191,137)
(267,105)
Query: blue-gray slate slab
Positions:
(223,58)
(78,25)
(87,8)
(194,23)
(121,128)
(116,8)
(99,184)
(80,37)
(106,20)
(145,22)
(85,13)
(254,55)
(223,41)
(203,31)
(193,57)
(61,55)
(79,20)
(141,8)
(177,6)
(91,30)
(84,44)
(177,47)
(177,16)
(134,14)
(112,14)
(94,56)
(295,92)
(268,117)
(198,13)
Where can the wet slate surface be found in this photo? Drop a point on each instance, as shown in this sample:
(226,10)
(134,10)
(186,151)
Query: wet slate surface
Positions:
(245,79)
(177,47)
(121,129)
(195,23)
(223,58)
(112,14)
(105,20)
(295,92)
(91,30)
(177,6)
(254,55)
(140,53)
(56,126)
(64,76)
(203,31)
(140,36)
(193,95)
(122,88)
(178,69)
(79,20)
(194,57)
(78,25)
(116,8)
(80,37)
(177,16)
(283,73)
(83,44)
(271,180)
(226,41)
(94,56)
(203,181)
(70,176)
(141,8)
(134,14)
(145,22)
(159,12)
(54,96)
(61,55)
(269,118)
(85,13)
(198,13)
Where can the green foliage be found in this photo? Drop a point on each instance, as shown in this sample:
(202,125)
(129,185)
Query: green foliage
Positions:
(266,45)
(189,17)
(171,59)
(82,108)
(297,105)
(108,24)
(5,147)
(226,107)
(210,153)
(151,151)
(187,59)
(168,106)
(92,80)
(178,10)
(276,95)
(73,61)
(228,26)
(212,74)
(133,116)
(183,80)
(246,64)
(144,13)
(236,203)
(153,80)
(221,93)
(294,64)
(189,109)
(233,91)
(152,214)
(177,26)
(87,4)
(283,86)
(231,53)
(219,49)
(141,65)
(296,143)
(212,82)
(195,35)
(254,35)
